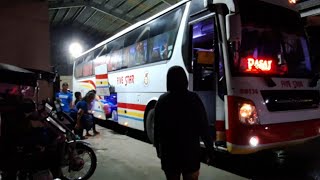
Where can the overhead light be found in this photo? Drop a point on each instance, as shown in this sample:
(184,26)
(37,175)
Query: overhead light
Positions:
(75,49)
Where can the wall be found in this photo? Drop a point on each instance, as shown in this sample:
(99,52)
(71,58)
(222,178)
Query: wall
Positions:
(24,36)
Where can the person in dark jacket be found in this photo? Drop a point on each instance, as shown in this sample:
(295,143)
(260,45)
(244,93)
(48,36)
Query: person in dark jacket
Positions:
(78,97)
(180,121)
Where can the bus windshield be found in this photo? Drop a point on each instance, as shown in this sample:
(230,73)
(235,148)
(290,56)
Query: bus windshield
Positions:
(272,45)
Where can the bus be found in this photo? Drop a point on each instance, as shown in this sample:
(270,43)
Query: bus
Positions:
(247,60)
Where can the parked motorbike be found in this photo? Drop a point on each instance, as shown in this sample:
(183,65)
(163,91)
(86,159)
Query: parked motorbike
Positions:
(79,160)
(34,144)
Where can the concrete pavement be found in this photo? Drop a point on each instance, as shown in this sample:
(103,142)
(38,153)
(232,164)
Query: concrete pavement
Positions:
(121,157)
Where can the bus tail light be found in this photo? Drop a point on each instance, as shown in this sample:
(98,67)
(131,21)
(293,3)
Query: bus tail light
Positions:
(248,113)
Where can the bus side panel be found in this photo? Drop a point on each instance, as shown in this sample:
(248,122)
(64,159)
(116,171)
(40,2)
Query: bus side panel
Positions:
(135,88)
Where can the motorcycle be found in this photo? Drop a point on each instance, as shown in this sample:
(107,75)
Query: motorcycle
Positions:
(76,151)
(28,157)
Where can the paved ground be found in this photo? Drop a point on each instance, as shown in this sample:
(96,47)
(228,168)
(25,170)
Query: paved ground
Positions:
(125,154)
(121,157)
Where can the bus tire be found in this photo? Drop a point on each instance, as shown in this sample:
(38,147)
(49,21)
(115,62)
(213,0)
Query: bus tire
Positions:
(150,125)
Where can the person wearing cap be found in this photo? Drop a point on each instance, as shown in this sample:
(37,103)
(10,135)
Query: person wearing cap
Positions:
(65,98)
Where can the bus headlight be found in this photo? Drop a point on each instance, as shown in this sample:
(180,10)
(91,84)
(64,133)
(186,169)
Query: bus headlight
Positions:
(254,141)
(248,113)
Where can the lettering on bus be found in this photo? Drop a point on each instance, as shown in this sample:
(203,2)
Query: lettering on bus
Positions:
(129,79)
(249,91)
(264,65)
(290,84)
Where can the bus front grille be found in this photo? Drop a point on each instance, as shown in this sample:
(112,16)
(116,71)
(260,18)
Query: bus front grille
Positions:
(283,100)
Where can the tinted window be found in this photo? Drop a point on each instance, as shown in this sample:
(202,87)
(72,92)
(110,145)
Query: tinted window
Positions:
(78,68)
(88,64)
(163,35)
(136,47)
(149,43)
(114,56)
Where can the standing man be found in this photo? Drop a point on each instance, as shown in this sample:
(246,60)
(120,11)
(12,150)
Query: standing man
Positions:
(180,121)
(65,97)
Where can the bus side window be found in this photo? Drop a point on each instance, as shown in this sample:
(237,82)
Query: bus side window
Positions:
(163,35)
(136,41)
(115,54)
(140,53)
(159,49)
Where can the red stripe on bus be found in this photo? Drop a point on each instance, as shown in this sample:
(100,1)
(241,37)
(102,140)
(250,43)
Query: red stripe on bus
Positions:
(90,82)
(138,107)
(220,125)
(102,76)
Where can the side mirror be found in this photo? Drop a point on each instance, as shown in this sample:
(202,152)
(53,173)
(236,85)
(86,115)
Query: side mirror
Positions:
(233,27)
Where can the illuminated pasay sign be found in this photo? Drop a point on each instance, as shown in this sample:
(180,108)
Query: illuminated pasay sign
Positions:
(254,64)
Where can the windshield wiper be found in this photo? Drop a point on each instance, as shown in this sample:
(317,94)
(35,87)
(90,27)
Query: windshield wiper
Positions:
(314,80)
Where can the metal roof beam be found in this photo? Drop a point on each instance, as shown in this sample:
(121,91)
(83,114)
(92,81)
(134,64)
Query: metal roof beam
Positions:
(134,7)
(65,15)
(94,5)
(79,12)
(63,5)
(90,17)
(148,10)
(103,9)
(54,16)
(166,2)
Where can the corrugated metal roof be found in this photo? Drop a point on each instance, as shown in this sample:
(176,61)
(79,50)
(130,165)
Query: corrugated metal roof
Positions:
(103,17)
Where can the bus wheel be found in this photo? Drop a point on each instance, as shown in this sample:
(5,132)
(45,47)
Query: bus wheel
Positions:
(150,125)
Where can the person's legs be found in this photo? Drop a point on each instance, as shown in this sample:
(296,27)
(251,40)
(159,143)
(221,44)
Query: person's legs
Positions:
(88,134)
(172,176)
(94,127)
(191,175)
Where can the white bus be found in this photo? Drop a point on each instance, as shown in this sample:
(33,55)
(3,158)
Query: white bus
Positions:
(248,60)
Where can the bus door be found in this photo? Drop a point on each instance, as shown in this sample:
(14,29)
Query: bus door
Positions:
(203,74)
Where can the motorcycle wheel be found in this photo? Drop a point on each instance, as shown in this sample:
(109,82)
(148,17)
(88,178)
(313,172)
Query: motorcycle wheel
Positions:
(89,158)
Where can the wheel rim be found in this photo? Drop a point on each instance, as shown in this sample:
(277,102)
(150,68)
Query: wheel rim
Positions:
(87,157)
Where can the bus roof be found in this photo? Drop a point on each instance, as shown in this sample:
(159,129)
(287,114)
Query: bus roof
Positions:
(136,25)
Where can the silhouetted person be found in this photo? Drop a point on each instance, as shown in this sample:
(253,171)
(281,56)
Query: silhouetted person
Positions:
(180,121)
(78,97)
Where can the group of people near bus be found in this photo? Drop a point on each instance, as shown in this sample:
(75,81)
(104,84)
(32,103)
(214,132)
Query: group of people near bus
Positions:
(179,122)
(79,110)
